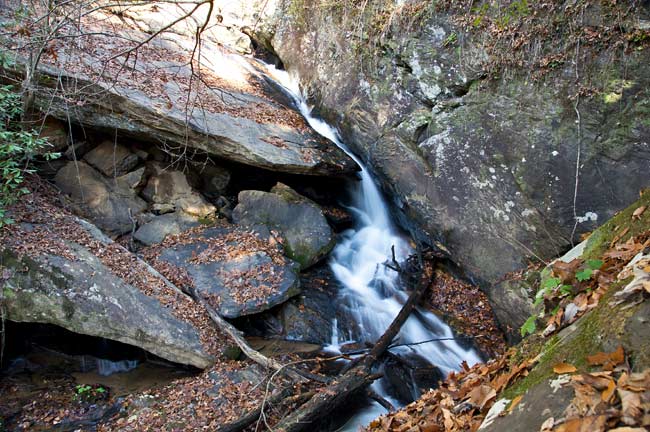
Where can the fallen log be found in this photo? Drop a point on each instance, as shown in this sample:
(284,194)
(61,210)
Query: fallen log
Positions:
(252,416)
(380,400)
(238,338)
(360,375)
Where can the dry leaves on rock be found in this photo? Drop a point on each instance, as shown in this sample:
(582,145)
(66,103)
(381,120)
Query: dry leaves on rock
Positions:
(612,399)
(459,404)
(577,286)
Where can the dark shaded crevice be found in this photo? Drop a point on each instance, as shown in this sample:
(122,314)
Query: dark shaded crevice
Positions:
(22,339)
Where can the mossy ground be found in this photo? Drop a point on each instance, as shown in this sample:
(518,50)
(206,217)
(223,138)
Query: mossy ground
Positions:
(623,222)
(603,328)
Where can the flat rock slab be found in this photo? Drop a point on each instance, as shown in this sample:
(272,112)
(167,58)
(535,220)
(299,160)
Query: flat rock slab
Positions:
(237,274)
(84,296)
(232,111)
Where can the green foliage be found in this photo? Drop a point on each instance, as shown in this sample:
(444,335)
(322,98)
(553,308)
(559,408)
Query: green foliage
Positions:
(89,393)
(480,12)
(82,389)
(502,15)
(584,274)
(566,290)
(450,40)
(547,286)
(515,10)
(551,283)
(17,148)
(595,264)
(529,326)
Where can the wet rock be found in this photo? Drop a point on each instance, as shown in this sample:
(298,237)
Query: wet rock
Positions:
(308,317)
(111,159)
(307,236)
(409,375)
(110,204)
(161,226)
(171,187)
(84,296)
(238,276)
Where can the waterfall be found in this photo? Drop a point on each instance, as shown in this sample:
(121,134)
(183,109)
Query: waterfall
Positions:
(108,367)
(371,293)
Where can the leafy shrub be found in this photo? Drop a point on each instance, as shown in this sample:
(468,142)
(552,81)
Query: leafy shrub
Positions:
(18,146)
(90,393)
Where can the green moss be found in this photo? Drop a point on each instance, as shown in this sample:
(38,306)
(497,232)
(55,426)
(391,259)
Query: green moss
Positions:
(600,239)
(585,337)
(8,293)
(613,97)
(207,220)
(232,352)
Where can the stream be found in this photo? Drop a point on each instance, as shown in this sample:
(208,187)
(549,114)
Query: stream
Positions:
(371,293)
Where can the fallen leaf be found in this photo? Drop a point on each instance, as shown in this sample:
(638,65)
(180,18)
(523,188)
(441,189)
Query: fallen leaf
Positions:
(638,212)
(608,360)
(628,429)
(481,395)
(563,368)
(637,381)
(619,236)
(631,406)
(584,424)
(566,271)
(515,402)
(608,393)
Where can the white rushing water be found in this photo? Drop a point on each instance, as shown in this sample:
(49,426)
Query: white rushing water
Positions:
(370,290)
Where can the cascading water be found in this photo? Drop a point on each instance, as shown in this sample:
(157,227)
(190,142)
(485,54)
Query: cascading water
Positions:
(108,367)
(371,293)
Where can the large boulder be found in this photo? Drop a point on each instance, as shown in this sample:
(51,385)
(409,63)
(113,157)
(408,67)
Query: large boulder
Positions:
(307,236)
(112,159)
(309,317)
(69,286)
(238,272)
(111,204)
(168,186)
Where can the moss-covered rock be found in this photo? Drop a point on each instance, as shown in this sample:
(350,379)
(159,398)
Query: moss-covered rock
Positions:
(307,236)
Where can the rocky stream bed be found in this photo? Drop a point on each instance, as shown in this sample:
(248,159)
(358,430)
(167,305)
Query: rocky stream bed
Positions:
(326,212)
